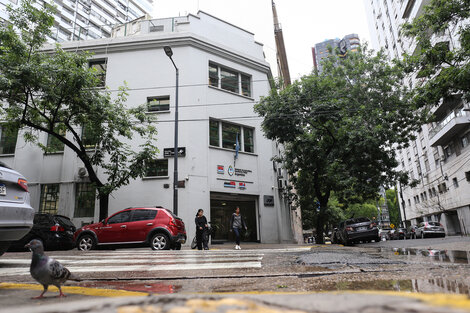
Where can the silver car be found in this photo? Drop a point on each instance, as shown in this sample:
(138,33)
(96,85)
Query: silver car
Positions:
(430,229)
(16,213)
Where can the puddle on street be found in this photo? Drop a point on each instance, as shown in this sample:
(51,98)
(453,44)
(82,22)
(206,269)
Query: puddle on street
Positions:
(448,256)
(154,288)
(432,285)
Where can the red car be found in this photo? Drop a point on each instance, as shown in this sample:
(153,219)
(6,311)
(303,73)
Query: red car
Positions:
(157,227)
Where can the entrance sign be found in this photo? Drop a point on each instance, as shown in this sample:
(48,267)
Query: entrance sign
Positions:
(230,184)
(220,169)
(230,170)
(170,152)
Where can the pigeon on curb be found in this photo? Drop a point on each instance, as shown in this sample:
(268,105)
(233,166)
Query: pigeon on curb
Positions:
(46,270)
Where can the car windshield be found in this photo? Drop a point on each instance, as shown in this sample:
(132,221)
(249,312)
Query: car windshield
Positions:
(3,165)
(434,223)
(357,220)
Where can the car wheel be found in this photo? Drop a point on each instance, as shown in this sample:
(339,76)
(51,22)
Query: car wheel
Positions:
(160,242)
(86,243)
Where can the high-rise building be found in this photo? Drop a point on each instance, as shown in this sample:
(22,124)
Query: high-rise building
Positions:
(440,156)
(88,19)
(322,50)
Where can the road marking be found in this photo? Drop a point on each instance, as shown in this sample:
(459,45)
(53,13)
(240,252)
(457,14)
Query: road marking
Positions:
(95,292)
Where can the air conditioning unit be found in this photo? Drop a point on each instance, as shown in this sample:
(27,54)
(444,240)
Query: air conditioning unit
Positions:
(82,172)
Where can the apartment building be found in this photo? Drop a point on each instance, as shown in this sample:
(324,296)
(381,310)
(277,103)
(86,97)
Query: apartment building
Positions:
(88,19)
(222,74)
(439,158)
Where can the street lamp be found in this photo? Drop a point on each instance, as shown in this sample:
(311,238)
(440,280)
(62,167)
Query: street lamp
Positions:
(169,53)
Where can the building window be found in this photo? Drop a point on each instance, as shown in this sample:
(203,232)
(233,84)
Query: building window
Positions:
(229,133)
(8,138)
(53,143)
(89,137)
(409,202)
(442,188)
(49,199)
(448,151)
(99,68)
(248,139)
(85,196)
(467,176)
(246,85)
(230,80)
(213,75)
(455,182)
(465,140)
(157,168)
(214,133)
(158,104)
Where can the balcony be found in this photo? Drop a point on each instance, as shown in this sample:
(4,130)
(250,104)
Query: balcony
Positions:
(450,126)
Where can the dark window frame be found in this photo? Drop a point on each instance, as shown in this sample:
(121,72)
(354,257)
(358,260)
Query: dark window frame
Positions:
(8,140)
(49,198)
(158,105)
(85,198)
(155,171)
(101,65)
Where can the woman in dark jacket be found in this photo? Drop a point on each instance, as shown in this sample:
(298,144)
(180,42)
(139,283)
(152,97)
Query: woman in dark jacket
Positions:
(201,228)
(237,223)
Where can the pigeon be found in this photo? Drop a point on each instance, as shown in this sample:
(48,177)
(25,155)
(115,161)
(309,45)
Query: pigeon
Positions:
(46,270)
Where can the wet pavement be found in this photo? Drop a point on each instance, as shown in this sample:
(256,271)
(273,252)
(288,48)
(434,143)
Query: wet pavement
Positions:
(264,270)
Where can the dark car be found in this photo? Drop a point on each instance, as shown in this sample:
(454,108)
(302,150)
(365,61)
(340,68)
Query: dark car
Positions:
(357,229)
(398,233)
(55,232)
(154,226)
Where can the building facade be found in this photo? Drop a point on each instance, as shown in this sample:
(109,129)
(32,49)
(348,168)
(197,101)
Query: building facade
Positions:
(439,158)
(88,19)
(321,50)
(223,73)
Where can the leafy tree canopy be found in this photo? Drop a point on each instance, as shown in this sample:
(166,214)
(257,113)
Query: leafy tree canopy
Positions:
(340,129)
(57,94)
(441,58)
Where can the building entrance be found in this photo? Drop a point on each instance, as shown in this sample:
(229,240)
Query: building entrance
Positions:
(222,208)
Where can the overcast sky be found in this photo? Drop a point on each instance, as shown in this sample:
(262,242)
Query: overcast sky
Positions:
(304,23)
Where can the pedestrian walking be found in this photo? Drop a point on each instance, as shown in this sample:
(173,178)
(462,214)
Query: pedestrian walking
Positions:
(237,223)
(201,229)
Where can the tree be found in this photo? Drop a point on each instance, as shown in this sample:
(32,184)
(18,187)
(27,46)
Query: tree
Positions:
(340,129)
(443,71)
(57,94)
(393,207)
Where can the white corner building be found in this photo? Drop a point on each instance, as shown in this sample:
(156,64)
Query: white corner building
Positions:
(440,156)
(223,74)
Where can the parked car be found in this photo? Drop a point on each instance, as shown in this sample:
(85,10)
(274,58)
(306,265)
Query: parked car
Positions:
(55,232)
(384,232)
(16,213)
(430,229)
(411,232)
(357,229)
(157,227)
(398,233)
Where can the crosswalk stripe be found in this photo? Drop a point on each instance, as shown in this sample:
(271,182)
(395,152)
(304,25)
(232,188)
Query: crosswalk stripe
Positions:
(148,261)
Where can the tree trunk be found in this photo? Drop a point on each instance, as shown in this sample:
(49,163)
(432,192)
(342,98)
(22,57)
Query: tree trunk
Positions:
(104,202)
(319,238)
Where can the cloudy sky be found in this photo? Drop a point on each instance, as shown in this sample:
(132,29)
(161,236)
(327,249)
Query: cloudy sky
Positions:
(304,23)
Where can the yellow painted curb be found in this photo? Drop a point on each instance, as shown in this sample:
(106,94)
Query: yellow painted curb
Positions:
(433,299)
(95,292)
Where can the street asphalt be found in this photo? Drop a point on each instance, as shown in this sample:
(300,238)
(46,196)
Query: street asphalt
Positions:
(393,276)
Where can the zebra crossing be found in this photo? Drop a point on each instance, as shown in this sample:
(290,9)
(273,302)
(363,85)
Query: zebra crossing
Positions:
(140,260)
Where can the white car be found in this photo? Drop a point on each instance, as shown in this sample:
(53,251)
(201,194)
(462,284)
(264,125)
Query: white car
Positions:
(16,213)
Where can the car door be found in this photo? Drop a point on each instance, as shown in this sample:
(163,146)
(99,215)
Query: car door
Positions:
(114,229)
(142,221)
